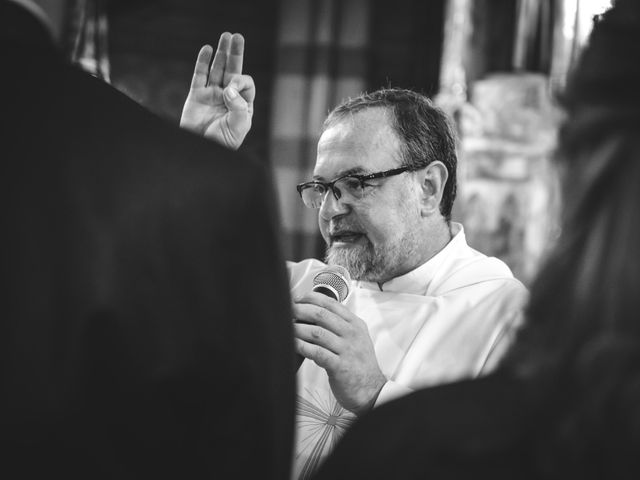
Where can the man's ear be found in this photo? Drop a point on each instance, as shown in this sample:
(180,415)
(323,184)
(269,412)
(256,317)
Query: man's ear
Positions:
(433,180)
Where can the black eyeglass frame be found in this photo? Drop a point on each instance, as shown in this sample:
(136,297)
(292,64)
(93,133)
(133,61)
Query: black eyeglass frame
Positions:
(361,178)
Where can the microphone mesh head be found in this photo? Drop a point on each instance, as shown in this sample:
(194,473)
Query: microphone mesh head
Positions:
(337,278)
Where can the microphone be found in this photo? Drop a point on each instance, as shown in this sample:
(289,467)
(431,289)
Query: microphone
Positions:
(333,282)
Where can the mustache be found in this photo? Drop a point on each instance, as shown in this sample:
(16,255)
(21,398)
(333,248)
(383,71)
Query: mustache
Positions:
(342,228)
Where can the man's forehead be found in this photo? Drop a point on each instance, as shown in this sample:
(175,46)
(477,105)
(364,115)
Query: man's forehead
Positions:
(356,144)
(369,122)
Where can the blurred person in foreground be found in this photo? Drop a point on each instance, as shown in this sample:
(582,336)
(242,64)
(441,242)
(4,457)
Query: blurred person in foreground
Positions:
(424,307)
(566,401)
(145,328)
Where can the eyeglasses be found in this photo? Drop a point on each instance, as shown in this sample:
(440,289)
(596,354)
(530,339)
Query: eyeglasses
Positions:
(349,187)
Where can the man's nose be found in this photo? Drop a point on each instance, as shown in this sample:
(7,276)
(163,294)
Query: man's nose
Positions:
(331,207)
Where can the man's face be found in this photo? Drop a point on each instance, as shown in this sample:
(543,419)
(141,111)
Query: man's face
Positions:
(376,237)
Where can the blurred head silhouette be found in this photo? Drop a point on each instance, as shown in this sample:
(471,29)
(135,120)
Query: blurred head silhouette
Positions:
(584,313)
(589,289)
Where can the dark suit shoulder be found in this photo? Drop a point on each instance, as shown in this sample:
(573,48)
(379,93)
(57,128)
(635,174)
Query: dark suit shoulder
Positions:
(74,127)
(440,432)
(41,88)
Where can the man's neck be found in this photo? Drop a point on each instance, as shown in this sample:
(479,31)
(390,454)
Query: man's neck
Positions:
(437,237)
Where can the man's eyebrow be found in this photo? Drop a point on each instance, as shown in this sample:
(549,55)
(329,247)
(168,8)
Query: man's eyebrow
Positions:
(343,173)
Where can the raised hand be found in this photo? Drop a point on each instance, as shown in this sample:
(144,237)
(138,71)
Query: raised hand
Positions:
(220,101)
(338,341)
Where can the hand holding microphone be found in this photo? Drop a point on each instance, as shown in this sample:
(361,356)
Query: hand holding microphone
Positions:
(337,340)
(333,282)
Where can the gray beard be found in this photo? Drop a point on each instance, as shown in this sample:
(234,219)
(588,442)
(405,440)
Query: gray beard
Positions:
(362,261)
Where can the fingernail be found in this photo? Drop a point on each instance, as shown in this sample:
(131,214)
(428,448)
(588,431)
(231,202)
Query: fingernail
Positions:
(232,93)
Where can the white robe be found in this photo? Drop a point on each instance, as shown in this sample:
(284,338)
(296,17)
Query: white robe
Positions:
(452,317)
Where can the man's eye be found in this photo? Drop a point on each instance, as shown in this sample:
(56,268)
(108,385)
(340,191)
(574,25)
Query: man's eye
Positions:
(318,188)
(351,183)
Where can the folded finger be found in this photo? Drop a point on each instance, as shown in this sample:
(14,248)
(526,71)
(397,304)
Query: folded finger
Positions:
(318,336)
(321,356)
(327,303)
(245,85)
(315,315)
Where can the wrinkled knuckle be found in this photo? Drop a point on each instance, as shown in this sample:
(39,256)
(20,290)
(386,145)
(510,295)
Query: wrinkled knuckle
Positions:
(312,352)
(322,356)
(317,333)
(319,315)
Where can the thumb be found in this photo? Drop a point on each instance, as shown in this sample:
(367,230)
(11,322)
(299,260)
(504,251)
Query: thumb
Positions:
(234,101)
(239,117)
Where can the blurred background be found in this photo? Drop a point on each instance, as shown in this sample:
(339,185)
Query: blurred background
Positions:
(496,66)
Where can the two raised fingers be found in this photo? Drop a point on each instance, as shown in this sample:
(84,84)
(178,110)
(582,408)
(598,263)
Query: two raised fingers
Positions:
(228,59)
(227,62)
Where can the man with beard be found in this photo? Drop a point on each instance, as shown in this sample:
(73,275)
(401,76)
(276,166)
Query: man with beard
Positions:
(424,307)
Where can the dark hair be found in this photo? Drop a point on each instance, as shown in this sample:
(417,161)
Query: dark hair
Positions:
(423,129)
(583,319)
(588,285)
